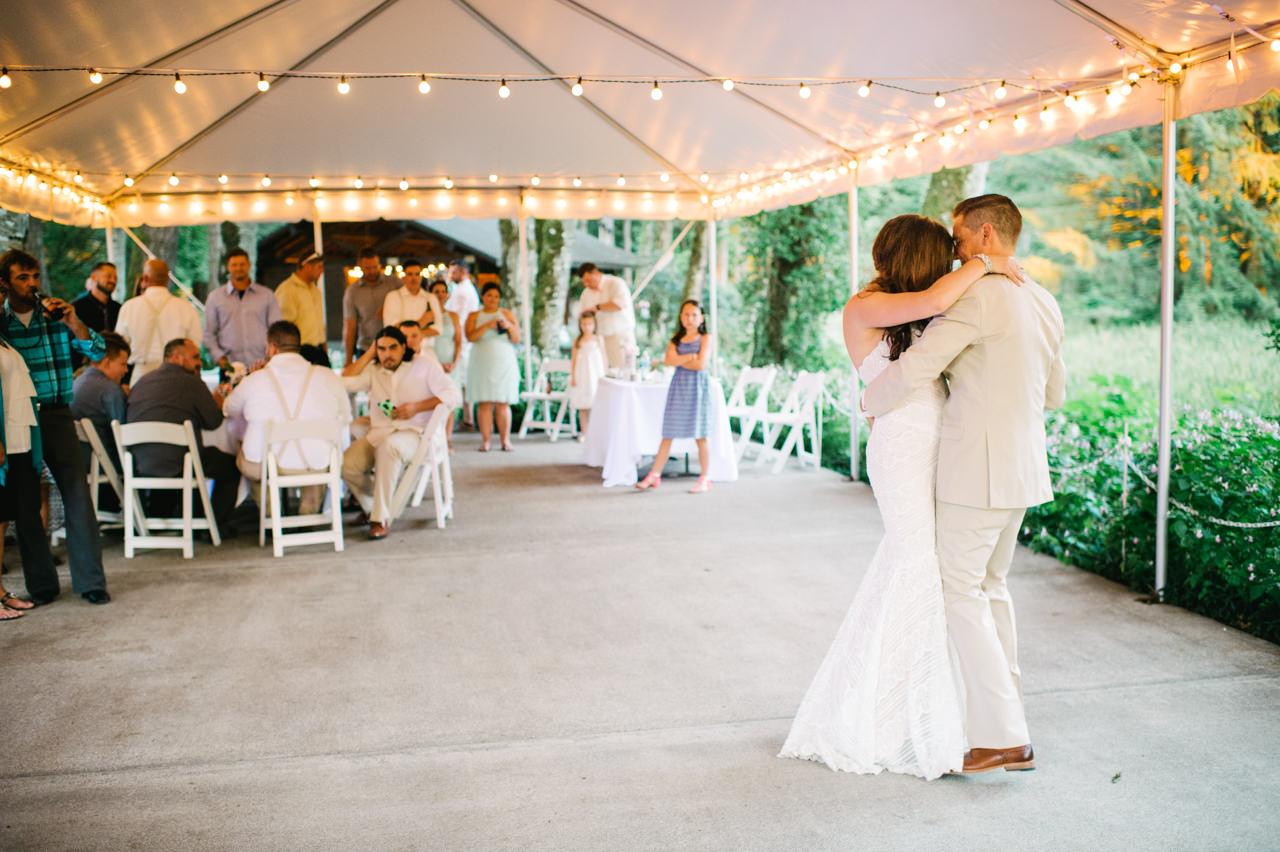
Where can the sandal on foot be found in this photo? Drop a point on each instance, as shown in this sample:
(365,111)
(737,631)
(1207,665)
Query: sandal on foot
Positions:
(15,603)
(653,480)
(702,486)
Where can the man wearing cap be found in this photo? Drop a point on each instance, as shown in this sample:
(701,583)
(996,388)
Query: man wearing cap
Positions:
(302,301)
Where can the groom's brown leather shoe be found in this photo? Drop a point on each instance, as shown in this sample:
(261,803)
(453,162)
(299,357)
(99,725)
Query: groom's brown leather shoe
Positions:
(1017,758)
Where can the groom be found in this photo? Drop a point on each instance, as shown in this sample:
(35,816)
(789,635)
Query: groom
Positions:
(1000,348)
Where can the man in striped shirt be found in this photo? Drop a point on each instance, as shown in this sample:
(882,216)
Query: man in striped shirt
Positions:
(45,331)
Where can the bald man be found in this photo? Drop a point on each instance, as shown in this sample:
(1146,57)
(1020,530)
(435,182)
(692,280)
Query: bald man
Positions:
(154,317)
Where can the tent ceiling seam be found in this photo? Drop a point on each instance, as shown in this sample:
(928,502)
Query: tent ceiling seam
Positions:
(99,91)
(609,23)
(244,104)
(1119,32)
(590,104)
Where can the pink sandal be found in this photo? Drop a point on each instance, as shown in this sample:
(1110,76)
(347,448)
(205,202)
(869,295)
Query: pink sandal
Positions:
(702,486)
(653,480)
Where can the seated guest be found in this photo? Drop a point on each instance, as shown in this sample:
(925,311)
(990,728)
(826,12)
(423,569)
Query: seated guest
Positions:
(98,395)
(402,390)
(287,388)
(175,393)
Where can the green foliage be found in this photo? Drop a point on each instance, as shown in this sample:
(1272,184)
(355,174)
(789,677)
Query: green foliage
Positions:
(69,255)
(1224,465)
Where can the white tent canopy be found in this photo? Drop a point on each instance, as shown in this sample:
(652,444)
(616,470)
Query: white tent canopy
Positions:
(758,145)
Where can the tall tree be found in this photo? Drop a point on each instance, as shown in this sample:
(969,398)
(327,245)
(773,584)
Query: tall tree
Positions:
(696,271)
(555,244)
(948,187)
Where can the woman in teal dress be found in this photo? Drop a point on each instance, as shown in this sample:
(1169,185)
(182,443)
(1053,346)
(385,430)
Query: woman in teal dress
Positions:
(493,376)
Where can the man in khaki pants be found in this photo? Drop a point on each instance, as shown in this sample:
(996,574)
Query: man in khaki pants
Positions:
(1000,349)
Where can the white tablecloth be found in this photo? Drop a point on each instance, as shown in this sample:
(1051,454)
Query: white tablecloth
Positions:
(626,425)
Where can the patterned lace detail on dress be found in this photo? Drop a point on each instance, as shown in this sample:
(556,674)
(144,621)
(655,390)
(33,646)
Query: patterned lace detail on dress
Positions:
(885,696)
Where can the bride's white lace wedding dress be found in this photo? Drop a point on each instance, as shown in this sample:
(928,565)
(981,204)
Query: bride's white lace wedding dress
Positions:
(886,697)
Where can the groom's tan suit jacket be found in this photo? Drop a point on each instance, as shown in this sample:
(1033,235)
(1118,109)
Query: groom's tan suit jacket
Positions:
(1000,349)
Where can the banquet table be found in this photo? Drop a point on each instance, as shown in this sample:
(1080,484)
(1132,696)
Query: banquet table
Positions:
(626,425)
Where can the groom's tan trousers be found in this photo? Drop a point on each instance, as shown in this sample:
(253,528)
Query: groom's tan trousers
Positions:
(975,550)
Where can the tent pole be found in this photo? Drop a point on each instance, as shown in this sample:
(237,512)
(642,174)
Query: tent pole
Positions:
(855,416)
(318,239)
(713,324)
(1169,135)
(525,307)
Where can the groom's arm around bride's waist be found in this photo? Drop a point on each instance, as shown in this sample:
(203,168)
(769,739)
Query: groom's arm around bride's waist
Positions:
(925,360)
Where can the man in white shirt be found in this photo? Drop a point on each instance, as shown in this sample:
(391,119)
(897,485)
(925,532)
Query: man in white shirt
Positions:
(464,301)
(402,392)
(610,298)
(154,317)
(287,388)
(411,300)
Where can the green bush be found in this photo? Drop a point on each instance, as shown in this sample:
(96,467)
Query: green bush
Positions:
(1224,465)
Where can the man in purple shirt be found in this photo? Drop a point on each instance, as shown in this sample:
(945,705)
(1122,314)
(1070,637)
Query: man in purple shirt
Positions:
(237,316)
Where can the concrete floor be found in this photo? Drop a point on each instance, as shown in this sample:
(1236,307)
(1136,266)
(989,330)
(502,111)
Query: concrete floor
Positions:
(570,667)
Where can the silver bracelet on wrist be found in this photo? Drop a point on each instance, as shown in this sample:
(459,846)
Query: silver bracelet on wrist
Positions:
(986,262)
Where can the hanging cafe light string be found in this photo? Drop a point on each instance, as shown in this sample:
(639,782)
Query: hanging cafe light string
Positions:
(987,101)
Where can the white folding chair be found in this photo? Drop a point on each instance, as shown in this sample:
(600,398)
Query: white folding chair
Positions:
(139,530)
(430,465)
(101,469)
(555,403)
(748,413)
(276,435)
(799,412)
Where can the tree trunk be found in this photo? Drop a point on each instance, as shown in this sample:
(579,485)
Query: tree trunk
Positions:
(628,274)
(696,273)
(555,243)
(213,233)
(33,244)
(509,230)
(948,187)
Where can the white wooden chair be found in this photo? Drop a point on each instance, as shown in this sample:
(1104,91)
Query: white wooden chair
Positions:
(277,434)
(140,530)
(749,413)
(100,470)
(430,466)
(556,415)
(800,411)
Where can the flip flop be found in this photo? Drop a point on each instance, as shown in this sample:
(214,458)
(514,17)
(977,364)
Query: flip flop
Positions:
(17,604)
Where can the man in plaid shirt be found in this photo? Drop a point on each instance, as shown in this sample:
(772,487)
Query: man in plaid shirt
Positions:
(45,331)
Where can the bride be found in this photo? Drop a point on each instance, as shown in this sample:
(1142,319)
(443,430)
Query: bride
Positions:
(885,696)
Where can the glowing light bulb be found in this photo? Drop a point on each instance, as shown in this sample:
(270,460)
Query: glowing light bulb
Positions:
(1001,91)
(447,183)
(424,87)
(404,184)
(263,83)
(920,136)
(5,80)
(909,150)
(622,181)
(1046,115)
(128,181)
(313,182)
(864,89)
(1176,67)
(742,176)
(95,76)
(1019,122)
(727,84)
(266,180)
(958,129)
(358,183)
(222,179)
(504,91)
(1275,46)
(1070,100)
(343,86)
(984,124)
(655,92)
(173,180)
(1231,63)
(664,177)
(1113,98)
(535,180)
(577,181)
(577,88)
(1126,89)
(704,177)
(79,178)
(178,86)
(493,178)
(804,91)
(938,100)
(1133,76)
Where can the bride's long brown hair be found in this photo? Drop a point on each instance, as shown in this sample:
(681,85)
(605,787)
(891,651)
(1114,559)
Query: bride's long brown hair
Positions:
(910,253)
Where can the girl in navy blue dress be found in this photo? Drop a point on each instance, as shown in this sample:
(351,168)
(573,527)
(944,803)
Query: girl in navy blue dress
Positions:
(688,411)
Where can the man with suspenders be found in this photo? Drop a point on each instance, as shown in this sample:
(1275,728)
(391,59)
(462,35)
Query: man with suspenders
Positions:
(287,388)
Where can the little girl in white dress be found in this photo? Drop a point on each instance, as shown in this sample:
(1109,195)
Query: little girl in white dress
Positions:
(586,369)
